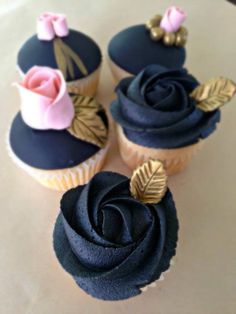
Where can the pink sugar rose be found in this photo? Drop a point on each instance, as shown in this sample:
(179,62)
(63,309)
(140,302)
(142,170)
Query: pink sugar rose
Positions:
(45,102)
(172,19)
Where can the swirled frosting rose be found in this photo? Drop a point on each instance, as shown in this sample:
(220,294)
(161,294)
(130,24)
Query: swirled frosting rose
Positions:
(155,110)
(111,243)
(45,102)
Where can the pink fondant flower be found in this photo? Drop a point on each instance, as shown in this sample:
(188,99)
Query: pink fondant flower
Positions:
(45,102)
(172,19)
(50,25)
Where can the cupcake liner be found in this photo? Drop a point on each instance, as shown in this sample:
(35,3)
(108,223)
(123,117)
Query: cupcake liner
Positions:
(85,86)
(117,72)
(161,278)
(64,179)
(175,160)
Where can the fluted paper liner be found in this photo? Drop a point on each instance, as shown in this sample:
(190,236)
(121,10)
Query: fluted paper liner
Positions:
(64,179)
(175,160)
(117,72)
(161,278)
(86,86)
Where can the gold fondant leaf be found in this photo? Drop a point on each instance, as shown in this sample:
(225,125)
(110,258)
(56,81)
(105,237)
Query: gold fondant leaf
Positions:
(72,55)
(214,93)
(65,57)
(60,57)
(149,182)
(87,124)
(70,67)
(85,102)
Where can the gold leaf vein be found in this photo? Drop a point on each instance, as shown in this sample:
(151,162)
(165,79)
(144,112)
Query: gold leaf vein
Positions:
(214,93)
(149,182)
(65,57)
(87,124)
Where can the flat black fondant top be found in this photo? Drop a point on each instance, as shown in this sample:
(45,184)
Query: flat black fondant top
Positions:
(133,49)
(41,53)
(48,149)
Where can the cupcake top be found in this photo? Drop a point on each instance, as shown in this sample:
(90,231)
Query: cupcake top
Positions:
(160,41)
(162,108)
(116,235)
(58,47)
(55,130)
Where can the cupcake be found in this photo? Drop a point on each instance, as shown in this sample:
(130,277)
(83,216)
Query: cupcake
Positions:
(75,54)
(116,236)
(59,139)
(167,114)
(161,41)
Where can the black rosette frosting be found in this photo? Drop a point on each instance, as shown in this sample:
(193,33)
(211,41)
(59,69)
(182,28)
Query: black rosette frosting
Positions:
(155,109)
(110,242)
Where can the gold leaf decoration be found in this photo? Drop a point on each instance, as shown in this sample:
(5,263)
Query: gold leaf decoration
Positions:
(60,57)
(65,57)
(87,124)
(149,182)
(85,102)
(214,93)
(73,56)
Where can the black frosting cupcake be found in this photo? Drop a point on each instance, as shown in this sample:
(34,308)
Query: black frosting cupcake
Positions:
(115,239)
(155,109)
(136,47)
(72,52)
(165,114)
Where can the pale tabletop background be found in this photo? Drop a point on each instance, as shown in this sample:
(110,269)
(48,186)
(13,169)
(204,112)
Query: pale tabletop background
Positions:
(203,280)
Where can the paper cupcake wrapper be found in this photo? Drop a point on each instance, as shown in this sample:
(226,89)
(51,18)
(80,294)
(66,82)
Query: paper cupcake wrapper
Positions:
(161,278)
(86,86)
(175,160)
(117,72)
(64,179)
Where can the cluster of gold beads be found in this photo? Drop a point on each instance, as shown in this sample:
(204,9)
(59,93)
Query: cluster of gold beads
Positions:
(157,33)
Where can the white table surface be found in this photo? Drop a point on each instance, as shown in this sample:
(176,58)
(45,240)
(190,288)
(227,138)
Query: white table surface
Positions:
(203,280)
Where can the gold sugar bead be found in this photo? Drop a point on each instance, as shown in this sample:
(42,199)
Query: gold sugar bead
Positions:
(157,33)
(157,18)
(169,39)
(153,22)
(149,24)
(183,31)
(180,40)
